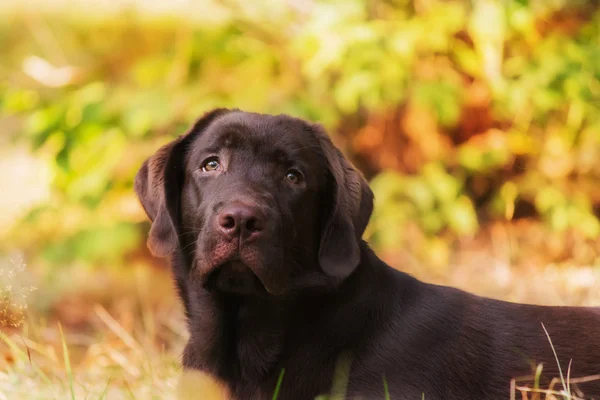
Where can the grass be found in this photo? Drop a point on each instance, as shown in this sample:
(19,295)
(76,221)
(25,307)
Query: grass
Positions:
(566,387)
(278,386)
(67,360)
(535,392)
(94,343)
(106,371)
(125,343)
(386,390)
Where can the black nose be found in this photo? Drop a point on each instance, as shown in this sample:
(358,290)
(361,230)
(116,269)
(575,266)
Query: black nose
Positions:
(240,220)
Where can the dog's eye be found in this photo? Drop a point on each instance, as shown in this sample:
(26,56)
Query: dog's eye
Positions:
(293,176)
(211,164)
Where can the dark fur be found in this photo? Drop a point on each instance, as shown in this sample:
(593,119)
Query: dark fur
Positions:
(323,293)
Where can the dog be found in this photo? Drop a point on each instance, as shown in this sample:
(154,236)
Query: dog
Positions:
(262,218)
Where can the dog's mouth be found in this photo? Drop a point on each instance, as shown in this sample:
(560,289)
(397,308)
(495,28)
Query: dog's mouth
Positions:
(235,277)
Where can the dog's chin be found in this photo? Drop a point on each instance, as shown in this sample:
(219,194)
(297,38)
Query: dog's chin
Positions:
(235,277)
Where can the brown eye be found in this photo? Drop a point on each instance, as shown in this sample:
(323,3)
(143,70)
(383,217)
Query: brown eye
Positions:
(211,164)
(293,176)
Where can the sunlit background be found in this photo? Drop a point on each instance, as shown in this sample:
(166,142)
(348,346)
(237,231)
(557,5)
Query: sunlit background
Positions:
(476,122)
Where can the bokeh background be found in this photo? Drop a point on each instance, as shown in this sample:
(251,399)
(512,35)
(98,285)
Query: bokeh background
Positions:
(477,123)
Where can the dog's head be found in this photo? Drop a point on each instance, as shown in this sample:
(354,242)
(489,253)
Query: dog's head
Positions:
(256,203)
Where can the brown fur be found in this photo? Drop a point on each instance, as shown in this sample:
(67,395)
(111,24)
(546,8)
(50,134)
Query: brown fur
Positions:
(317,291)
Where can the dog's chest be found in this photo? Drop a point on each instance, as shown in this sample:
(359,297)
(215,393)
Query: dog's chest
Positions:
(254,333)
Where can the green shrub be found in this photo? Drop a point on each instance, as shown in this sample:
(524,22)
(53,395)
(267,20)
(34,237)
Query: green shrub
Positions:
(94,95)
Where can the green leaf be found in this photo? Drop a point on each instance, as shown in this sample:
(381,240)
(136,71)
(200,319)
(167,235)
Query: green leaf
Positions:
(461,216)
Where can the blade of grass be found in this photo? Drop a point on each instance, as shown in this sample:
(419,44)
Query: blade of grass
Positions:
(129,391)
(562,379)
(105,391)
(45,351)
(569,377)
(341,375)
(536,381)
(67,361)
(513,389)
(21,355)
(278,386)
(27,348)
(117,329)
(386,390)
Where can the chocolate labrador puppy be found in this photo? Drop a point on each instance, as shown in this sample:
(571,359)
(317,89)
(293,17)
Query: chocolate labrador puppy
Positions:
(262,218)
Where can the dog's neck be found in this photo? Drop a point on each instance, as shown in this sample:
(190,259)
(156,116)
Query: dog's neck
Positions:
(243,339)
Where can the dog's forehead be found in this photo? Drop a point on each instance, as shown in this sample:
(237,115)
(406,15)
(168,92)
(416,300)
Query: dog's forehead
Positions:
(278,134)
(275,128)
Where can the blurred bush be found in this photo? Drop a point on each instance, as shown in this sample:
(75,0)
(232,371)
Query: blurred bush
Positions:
(460,112)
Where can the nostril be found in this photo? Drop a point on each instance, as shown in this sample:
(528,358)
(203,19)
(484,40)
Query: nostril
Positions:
(254,225)
(227,222)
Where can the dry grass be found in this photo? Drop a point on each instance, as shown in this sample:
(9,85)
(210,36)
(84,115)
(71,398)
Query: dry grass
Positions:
(109,368)
(123,330)
(121,337)
(526,388)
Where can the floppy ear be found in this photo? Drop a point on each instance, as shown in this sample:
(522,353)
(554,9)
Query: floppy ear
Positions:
(351,205)
(158,186)
(149,187)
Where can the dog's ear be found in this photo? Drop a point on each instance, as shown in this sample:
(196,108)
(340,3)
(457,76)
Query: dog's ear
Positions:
(158,186)
(349,208)
(149,187)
